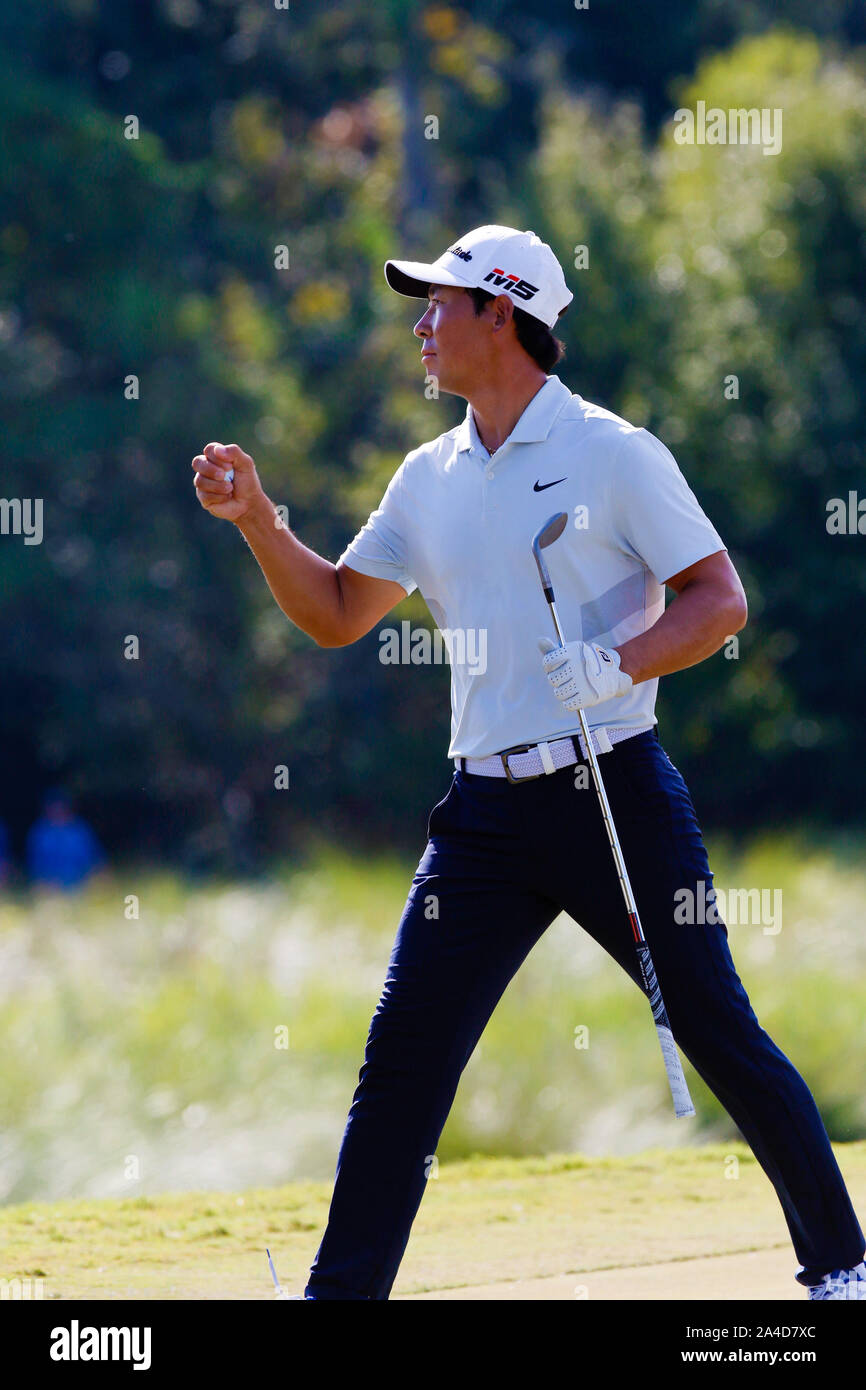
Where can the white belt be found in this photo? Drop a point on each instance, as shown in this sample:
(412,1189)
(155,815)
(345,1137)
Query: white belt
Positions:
(526,761)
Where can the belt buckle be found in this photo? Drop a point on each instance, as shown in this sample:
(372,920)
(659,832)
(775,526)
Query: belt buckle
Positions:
(519,748)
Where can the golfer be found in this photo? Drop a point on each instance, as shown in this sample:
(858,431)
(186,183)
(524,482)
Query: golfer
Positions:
(519,837)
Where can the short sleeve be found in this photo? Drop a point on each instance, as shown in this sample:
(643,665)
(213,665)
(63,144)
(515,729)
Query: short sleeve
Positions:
(380,549)
(656,513)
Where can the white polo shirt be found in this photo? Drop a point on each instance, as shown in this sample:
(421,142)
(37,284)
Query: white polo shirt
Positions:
(457,524)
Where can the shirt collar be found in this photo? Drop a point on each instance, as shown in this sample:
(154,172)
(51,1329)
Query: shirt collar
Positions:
(534,424)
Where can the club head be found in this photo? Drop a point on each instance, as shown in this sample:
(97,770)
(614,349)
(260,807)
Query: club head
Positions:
(549,532)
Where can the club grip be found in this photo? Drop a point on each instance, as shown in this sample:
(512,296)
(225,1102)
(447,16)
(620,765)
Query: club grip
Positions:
(683,1106)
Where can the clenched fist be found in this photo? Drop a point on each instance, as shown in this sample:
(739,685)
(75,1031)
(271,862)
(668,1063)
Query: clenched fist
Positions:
(226,481)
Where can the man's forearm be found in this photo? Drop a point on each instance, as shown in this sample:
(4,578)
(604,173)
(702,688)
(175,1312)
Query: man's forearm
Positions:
(305,585)
(691,628)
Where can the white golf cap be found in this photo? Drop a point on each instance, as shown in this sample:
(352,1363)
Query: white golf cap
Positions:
(499,259)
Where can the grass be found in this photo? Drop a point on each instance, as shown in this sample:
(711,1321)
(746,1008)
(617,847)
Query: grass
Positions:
(142,1053)
(482,1221)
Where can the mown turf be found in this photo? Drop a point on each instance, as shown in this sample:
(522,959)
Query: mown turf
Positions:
(481,1222)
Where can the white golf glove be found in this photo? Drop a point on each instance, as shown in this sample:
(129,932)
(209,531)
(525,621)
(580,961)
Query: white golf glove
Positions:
(582,673)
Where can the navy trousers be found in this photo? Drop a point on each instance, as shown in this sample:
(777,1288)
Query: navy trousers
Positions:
(502,861)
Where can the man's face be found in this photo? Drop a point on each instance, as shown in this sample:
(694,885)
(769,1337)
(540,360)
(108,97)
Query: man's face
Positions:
(454,343)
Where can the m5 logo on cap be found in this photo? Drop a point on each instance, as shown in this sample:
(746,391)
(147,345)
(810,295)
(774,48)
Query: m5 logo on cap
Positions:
(521,288)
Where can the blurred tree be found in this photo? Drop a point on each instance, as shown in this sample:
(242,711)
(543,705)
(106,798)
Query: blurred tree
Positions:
(760,258)
(265,134)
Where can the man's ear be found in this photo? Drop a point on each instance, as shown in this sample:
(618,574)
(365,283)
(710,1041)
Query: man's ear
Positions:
(503,311)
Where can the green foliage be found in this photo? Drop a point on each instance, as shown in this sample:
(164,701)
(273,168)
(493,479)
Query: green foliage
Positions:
(155,258)
(160,1035)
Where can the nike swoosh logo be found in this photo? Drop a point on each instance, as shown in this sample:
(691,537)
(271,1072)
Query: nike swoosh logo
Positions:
(539,487)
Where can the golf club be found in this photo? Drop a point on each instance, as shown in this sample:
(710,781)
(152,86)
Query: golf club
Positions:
(550,532)
(280,1291)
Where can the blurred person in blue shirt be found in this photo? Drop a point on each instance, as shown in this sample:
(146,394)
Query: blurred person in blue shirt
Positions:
(62,850)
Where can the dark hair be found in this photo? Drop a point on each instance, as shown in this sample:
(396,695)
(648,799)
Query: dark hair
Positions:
(533,336)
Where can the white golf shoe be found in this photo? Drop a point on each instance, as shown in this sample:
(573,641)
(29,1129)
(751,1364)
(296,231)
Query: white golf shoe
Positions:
(841,1283)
